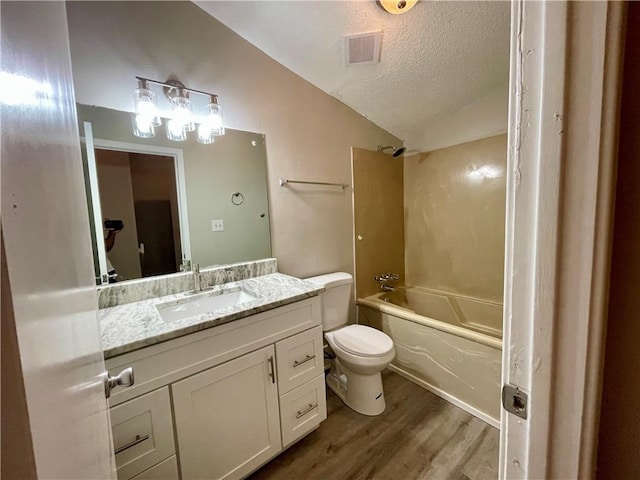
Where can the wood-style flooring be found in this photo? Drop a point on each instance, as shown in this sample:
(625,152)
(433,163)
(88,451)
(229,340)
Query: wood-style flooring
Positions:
(419,436)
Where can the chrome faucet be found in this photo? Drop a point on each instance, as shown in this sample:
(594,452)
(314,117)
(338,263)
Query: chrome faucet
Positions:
(383,278)
(197,278)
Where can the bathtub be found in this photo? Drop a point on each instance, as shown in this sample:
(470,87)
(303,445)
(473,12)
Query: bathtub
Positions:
(449,344)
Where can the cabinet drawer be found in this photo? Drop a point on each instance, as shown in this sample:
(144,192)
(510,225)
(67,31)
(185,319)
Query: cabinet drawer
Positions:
(299,359)
(142,433)
(165,470)
(302,409)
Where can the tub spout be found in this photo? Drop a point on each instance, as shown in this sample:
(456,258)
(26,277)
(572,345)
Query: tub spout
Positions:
(386,287)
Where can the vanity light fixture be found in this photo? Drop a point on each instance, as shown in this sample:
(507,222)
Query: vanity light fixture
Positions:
(181,119)
(397,7)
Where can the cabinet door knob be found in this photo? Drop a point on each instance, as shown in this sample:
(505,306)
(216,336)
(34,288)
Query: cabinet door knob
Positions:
(124,379)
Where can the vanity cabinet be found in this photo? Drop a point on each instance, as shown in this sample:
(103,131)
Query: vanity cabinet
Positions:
(232,396)
(227,417)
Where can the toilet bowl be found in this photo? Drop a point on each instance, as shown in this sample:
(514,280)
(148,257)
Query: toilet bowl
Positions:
(360,353)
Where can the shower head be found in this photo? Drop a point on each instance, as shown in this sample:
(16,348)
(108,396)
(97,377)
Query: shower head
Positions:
(396,151)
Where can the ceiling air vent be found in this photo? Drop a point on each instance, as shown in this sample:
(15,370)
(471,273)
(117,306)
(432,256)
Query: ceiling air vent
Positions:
(362,49)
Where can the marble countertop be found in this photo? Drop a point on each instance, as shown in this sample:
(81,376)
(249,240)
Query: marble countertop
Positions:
(132,326)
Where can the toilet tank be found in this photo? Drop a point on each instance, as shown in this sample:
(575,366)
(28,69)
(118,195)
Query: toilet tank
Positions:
(335,299)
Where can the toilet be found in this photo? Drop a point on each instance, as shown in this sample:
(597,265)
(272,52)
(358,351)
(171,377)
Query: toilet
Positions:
(361,352)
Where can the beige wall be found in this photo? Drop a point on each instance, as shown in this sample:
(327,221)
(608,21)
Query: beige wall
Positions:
(454,202)
(619,437)
(309,134)
(378,215)
(116,202)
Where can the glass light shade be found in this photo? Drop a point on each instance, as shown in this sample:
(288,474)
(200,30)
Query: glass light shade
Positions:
(181,112)
(205,133)
(211,125)
(146,106)
(142,127)
(214,118)
(176,130)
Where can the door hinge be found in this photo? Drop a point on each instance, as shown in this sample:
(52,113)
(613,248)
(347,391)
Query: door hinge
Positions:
(515,401)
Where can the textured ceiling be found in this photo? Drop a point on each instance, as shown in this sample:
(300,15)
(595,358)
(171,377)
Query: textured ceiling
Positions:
(435,59)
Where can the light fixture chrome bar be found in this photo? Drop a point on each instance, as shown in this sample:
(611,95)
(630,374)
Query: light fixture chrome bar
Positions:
(284,181)
(169,85)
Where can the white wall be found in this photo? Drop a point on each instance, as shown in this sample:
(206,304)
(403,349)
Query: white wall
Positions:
(309,134)
(485,117)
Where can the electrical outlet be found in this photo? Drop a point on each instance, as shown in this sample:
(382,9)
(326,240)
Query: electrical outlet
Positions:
(217,225)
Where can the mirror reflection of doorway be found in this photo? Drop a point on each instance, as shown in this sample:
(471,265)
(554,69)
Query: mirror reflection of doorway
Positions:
(140,190)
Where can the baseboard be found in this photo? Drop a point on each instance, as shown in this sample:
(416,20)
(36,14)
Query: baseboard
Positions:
(448,397)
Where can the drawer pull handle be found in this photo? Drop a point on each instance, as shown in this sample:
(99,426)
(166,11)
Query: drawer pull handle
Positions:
(306,410)
(306,359)
(138,439)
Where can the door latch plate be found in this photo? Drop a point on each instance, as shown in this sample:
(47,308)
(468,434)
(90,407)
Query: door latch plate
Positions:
(515,401)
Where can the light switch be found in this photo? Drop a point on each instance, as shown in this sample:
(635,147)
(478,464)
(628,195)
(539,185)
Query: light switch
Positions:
(217,225)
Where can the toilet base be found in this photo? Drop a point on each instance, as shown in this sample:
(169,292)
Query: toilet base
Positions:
(362,393)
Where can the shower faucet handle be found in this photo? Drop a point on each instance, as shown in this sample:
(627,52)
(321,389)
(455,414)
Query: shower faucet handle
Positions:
(385,277)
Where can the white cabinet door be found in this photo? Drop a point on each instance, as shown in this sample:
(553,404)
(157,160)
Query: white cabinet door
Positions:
(227,419)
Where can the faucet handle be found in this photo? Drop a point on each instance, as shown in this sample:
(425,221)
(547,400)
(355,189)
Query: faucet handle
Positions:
(386,277)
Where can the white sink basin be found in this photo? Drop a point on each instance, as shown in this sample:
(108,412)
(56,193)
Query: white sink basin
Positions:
(184,308)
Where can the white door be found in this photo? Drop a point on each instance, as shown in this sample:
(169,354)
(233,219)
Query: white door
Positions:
(562,150)
(227,417)
(49,268)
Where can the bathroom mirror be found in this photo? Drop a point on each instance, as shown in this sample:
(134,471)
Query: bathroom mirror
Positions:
(179,203)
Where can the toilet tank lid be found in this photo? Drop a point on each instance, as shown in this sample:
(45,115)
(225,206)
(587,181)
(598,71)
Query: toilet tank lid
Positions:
(331,279)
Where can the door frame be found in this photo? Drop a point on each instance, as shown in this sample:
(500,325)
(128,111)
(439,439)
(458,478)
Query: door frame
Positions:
(563,120)
(181,187)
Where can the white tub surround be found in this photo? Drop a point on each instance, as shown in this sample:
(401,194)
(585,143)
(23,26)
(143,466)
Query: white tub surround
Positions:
(135,325)
(451,360)
(153,287)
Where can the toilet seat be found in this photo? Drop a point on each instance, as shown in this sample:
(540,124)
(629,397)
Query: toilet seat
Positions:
(363,341)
